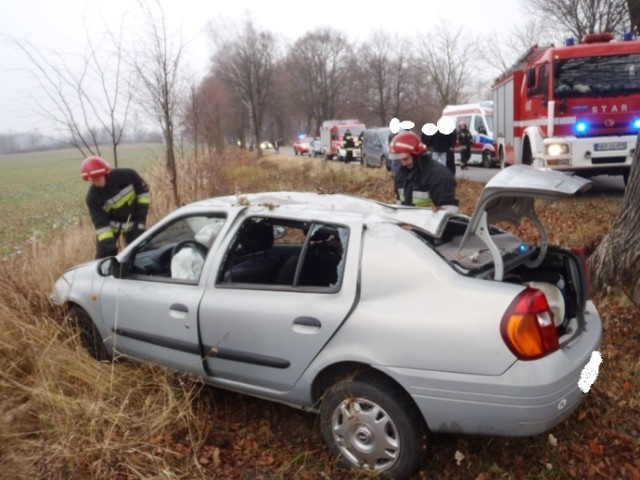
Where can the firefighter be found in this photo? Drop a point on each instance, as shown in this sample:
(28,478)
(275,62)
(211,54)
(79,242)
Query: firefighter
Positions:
(349,145)
(118,202)
(464,139)
(422,181)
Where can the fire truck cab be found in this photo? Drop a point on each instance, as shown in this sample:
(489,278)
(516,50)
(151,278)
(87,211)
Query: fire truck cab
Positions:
(573,108)
(331,137)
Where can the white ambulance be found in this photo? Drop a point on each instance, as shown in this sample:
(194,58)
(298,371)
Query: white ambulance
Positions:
(479,119)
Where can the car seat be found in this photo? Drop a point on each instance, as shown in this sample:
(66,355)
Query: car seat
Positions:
(261,266)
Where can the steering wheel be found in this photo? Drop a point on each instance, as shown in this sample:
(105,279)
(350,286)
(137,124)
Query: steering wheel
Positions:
(200,248)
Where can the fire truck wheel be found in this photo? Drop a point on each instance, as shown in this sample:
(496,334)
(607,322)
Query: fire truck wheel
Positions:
(503,164)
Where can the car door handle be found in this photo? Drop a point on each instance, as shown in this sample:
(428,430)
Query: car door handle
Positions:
(179,307)
(307,322)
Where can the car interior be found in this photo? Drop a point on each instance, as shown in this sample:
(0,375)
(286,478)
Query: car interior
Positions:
(257,257)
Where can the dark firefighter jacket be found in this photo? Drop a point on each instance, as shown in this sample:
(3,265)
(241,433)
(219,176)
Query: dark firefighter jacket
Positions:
(465,139)
(120,207)
(428,183)
(439,142)
(348,140)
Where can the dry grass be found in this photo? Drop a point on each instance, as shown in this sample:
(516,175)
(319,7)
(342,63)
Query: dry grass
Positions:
(63,415)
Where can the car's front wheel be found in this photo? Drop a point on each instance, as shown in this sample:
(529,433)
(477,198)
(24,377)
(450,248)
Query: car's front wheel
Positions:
(89,335)
(373,424)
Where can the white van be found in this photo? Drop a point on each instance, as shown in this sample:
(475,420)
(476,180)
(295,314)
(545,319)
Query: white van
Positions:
(479,120)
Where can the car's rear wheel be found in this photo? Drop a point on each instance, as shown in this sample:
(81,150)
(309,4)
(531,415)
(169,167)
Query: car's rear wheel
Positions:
(370,423)
(90,337)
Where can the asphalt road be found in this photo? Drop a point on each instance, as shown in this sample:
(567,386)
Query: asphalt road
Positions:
(602,184)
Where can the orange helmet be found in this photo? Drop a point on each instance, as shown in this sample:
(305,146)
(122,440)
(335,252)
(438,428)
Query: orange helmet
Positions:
(407,142)
(94,167)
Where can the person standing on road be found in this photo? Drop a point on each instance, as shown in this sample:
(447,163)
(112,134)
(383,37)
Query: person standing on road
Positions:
(118,202)
(422,181)
(349,144)
(465,139)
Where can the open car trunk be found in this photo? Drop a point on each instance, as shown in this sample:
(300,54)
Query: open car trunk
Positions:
(474,247)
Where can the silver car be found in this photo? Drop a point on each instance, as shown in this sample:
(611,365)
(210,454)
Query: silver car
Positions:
(389,321)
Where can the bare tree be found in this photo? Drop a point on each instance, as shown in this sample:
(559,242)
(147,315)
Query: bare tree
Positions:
(447,59)
(506,49)
(580,17)
(384,86)
(616,261)
(246,63)
(634,16)
(93,97)
(157,63)
(216,116)
(320,63)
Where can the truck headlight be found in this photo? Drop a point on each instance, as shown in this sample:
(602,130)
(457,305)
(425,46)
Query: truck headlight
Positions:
(556,149)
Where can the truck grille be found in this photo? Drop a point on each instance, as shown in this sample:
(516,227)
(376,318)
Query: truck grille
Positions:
(601,160)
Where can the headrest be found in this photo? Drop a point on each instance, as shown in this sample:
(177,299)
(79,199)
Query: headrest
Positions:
(257,237)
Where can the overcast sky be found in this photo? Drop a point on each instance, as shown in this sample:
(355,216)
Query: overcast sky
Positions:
(59,26)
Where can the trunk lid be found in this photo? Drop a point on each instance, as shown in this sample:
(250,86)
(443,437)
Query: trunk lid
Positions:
(509,197)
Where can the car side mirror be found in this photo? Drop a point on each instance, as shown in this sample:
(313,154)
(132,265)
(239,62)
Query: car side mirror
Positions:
(109,267)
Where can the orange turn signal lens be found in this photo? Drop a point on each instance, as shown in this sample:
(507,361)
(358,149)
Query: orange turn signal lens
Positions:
(527,327)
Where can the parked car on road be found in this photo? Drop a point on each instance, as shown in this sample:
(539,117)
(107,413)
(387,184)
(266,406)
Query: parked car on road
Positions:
(389,321)
(301,145)
(375,152)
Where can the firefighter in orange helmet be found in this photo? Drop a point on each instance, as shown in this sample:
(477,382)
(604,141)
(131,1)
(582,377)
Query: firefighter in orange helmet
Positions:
(118,202)
(421,181)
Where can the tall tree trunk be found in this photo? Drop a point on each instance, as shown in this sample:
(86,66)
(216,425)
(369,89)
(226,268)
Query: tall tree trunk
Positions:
(616,261)
(634,15)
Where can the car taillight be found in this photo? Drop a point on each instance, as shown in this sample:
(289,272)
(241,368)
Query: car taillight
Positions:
(527,326)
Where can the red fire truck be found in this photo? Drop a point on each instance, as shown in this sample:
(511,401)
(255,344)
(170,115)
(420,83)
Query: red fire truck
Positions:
(574,107)
(331,133)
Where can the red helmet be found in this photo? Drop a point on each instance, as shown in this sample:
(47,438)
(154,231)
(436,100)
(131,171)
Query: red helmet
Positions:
(407,142)
(94,167)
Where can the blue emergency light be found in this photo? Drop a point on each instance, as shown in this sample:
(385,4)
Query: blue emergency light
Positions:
(636,124)
(581,126)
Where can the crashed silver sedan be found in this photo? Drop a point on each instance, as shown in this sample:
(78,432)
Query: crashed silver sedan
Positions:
(389,321)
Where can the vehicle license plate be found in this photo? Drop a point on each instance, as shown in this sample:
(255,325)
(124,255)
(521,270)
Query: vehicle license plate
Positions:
(601,147)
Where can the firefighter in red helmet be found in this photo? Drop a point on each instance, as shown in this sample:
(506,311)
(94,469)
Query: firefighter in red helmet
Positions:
(118,202)
(421,181)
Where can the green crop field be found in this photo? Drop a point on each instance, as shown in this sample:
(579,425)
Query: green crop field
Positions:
(42,191)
